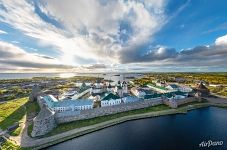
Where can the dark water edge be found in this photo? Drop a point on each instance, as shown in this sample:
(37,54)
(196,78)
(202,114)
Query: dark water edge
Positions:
(180,131)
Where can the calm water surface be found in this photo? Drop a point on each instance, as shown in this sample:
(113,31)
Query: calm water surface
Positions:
(172,132)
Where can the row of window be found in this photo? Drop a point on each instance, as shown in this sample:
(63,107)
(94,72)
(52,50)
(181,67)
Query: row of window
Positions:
(110,104)
(61,109)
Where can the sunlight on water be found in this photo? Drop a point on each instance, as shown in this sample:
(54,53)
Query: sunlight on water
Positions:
(66,75)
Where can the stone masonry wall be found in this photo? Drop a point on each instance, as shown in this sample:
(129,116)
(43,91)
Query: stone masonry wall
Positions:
(42,127)
(45,122)
(186,100)
(179,102)
(96,112)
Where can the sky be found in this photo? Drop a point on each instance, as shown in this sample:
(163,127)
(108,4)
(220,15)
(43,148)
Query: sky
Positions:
(113,36)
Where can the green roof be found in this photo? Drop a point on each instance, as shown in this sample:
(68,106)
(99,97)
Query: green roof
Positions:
(169,95)
(152,96)
(119,87)
(179,93)
(111,96)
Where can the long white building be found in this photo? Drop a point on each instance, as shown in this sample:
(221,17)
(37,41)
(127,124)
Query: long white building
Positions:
(66,105)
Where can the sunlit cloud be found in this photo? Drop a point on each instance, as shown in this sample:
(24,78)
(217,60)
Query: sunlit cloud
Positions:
(97,35)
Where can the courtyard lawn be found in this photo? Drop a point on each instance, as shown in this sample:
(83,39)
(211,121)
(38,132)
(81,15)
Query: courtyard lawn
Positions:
(12,112)
(82,123)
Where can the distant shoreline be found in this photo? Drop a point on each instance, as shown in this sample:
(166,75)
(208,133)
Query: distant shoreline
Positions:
(12,76)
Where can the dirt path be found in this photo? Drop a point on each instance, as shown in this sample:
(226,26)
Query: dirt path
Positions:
(18,139)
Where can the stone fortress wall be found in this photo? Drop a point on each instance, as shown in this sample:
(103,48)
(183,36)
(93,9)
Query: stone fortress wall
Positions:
(97,112)
(64,117)
(47,119)
(176,103)
(44,122)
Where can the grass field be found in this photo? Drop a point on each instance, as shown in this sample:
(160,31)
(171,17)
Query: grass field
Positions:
(12,112)
(8,145)
(82,123)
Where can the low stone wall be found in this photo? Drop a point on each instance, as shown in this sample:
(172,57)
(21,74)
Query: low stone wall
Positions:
(178,102)
(170,103)
(186,100)
(97,112)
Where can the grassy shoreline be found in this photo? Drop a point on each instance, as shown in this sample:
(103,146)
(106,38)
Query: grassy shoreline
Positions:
(180,110)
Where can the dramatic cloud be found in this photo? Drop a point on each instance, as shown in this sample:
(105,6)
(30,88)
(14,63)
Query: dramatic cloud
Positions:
(93,29)
(12,55)
(154,54)
(97,34)
(203,56)
(212,55)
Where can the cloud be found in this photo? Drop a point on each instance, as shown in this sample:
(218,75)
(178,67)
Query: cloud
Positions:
(91,33)
(96,66)
(15,42)
(221,40)
(90,29)
(154,54)
(214,55)
(2,32)
(11,55)
(199,56)
(44,56)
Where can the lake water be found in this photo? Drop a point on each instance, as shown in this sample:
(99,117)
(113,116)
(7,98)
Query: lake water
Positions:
(172,132)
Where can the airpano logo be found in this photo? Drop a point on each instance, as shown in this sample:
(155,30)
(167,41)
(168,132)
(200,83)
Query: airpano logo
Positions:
(211,143)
